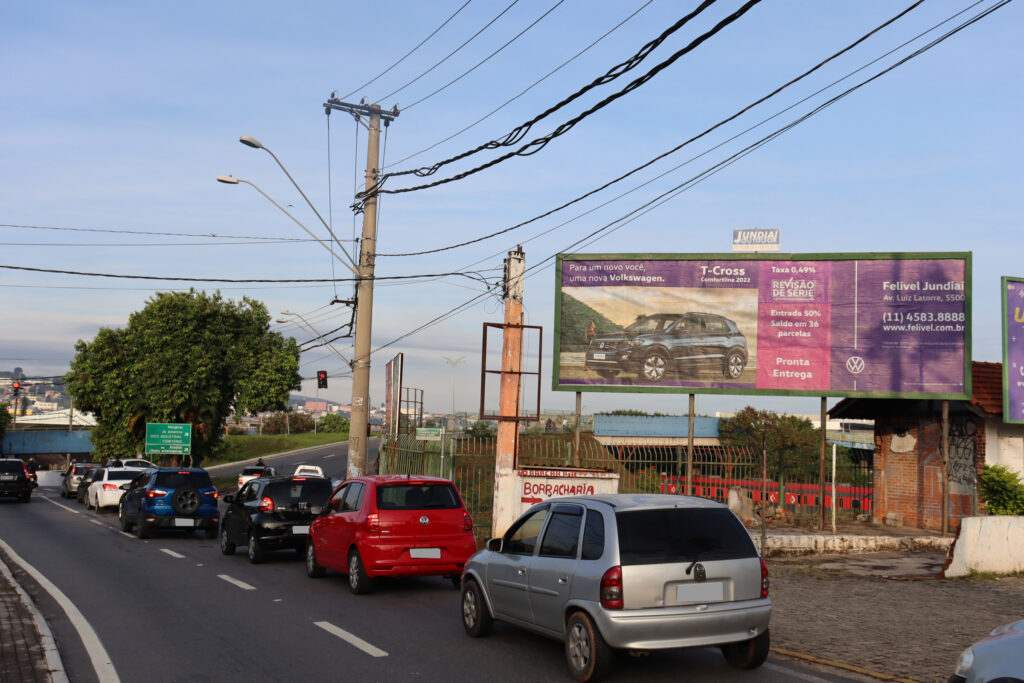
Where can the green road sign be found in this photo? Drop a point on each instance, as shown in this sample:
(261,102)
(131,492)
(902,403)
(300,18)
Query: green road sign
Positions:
(168,439)
(428,433)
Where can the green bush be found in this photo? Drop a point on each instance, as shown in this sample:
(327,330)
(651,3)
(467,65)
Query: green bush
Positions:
(1002,491)
(333,423)
(288,423)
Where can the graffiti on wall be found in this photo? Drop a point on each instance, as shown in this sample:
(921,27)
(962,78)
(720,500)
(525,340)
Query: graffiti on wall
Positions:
(963,450)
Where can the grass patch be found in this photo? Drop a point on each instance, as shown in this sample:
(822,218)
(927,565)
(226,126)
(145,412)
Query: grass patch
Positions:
(245,447)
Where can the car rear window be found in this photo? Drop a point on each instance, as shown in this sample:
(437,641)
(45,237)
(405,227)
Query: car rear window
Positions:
(11,466)
(417,497)
(122,476)
(290,492)
(680,535)
(175,480)
(250,471)
(80,469)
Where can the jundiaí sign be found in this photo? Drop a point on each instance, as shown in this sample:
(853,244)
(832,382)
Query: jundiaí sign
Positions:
(756,239)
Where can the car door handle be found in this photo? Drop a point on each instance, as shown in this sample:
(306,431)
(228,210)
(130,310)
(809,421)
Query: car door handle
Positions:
(521,571)
(563,579)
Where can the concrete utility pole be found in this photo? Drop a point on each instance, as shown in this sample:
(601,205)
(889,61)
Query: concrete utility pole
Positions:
(364,287)
(504,511)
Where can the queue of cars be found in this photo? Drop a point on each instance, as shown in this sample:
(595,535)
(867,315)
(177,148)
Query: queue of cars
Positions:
(600,573)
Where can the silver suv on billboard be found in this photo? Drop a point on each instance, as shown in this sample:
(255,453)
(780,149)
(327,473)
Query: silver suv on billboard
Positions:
(655,345)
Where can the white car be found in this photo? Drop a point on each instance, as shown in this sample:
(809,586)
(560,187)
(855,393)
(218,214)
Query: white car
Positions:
(308,471)
(131,462)
(253,471)
(105,491)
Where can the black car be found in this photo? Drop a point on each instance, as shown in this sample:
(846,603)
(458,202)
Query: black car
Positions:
(85,482)
(655,345)
(170,498)
(15,479)
(271,514)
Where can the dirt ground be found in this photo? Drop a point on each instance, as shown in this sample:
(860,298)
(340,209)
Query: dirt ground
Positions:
(887,612)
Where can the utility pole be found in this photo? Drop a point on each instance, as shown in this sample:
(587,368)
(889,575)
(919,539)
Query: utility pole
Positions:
(364,287)
(504,512)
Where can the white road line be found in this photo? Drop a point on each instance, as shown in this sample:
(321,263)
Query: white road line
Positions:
(331,455)
(61,505)
(241,584)
(790,674)
(351,639)
(96,521)
(172,553)
(101,663)
(125,533)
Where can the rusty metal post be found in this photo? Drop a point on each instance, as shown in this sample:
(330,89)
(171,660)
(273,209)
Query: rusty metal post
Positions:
(576,459)
(504,512)
(821,464)
(689,449)
(945,467)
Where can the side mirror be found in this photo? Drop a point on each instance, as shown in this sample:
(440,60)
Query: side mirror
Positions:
(125,487)
(494,545)
(228,498)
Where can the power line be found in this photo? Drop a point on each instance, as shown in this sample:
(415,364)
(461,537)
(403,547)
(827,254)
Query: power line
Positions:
(527,89)
(520,131)
(670,151)
(487,58)
(450,54)
(149,244)
(538,144)
(150,232)
(406,55)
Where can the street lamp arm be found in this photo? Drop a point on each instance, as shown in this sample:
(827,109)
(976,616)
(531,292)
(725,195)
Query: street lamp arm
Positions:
(246,140)
(348,263)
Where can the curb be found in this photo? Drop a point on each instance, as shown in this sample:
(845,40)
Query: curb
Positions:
(808,544)
(54,665)
(839,665)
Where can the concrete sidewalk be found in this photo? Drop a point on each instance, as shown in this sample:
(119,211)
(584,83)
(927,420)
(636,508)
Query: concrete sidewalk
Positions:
(28,653)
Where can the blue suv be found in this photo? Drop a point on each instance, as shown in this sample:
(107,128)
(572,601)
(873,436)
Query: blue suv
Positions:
(655,345)
(170,498)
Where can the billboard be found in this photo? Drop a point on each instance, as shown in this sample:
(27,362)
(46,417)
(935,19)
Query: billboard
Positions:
(392,394)
(1013,350)
(868,325)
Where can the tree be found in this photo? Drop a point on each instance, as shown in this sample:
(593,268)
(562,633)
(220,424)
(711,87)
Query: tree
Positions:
(480,430)
(788,438)
(333,423)
(288,423)
(186,357)
(5,419)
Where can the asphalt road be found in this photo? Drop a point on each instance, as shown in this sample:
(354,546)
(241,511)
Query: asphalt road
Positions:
(174,608)
(331,458)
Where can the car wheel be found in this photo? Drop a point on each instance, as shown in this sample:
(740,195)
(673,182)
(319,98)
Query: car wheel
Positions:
(255,550)
(586,652)
(476,618)
(313,568)
(141,528)
(734,364)
(126,526)
(226,546)
(608,374)
(358,581)
(654,367)
(185,500)
(748,654)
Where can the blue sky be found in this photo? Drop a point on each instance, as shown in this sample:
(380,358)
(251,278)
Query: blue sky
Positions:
(119,116)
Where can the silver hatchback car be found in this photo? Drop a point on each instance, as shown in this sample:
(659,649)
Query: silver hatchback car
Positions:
(632,572)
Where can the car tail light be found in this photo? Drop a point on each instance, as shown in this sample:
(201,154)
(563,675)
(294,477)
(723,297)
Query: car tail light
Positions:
(155,493)
(184,472)
(267,504)
(611,589)
(373,522)
(211,494)
(110,487)
(764,579)
(467,523)
(298,479)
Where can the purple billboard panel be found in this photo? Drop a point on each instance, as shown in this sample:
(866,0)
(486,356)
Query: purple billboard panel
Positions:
(828,325)
(1013,350)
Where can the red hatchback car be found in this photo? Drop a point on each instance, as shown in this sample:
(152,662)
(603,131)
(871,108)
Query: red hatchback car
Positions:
(391,525)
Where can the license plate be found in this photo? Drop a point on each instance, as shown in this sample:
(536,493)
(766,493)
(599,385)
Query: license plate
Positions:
(425,553)
(699,592)
(184,522)
(598,356)
(7,477)
(300,529)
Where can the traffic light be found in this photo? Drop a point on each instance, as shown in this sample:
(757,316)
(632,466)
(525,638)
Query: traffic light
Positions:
(321,379)
(17,387)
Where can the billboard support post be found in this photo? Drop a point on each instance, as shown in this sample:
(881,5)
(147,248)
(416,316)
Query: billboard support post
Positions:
(945,467)
(821,466)
(689,449)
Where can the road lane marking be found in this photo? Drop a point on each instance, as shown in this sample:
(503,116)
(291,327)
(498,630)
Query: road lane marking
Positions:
(101,663)
(331,455)
(61,505)
(795,674)
(351,639)
(125,533)
(98,522)
(241,584)
(172,553)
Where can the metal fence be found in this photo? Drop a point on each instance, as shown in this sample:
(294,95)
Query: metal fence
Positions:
(469,462)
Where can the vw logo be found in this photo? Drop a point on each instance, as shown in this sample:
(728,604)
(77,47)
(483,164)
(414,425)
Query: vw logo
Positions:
(855,365)
(699,573)
(424,520)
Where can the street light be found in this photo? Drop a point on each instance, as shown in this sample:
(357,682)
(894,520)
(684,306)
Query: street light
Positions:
(454,364)
(316,334)
(250,141)
(231,180)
